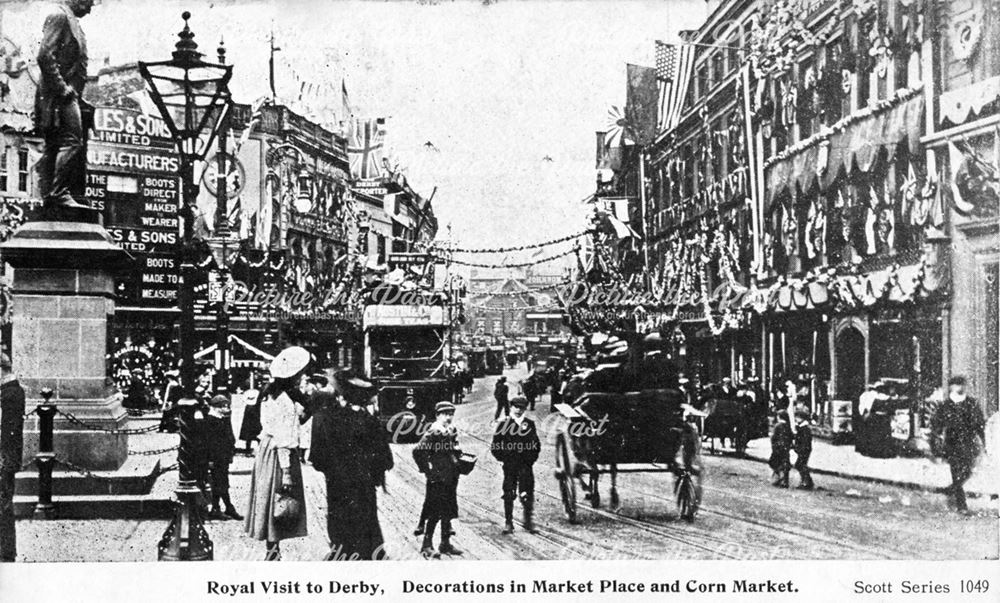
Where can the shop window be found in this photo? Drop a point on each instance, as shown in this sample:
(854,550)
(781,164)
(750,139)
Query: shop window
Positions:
(380,243)
(702,80)
(806,102)
(718,152)
(687,160)
(733,54)
(22,169)
(718,68)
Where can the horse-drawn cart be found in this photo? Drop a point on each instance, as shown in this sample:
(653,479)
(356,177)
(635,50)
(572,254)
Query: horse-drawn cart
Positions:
(630,432)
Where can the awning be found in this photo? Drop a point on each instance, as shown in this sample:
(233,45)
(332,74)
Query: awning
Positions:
(856,144)
(957,105)
(257,357)
(895,284)
(405,222)
(859,143)
(622,230)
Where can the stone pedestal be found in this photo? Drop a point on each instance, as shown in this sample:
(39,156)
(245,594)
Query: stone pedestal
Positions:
(63,298)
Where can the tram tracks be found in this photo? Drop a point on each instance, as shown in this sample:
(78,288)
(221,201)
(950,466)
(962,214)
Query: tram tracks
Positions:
(557,539)
(719,550)
(721,545)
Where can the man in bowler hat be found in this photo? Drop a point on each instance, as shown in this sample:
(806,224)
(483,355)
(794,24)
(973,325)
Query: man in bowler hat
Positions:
(958,432)
(351,449)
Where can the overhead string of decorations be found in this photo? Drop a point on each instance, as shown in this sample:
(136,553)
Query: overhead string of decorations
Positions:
(503,265)
(436,247)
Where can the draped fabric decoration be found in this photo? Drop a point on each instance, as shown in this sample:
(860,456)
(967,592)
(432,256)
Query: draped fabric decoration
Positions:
(855,140)
(816,230)
(790,230)
(871,220)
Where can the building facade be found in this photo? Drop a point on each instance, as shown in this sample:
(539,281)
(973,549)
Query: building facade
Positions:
(823,208)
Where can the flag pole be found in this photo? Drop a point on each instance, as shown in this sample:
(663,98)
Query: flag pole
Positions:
(642,214)
(270,67)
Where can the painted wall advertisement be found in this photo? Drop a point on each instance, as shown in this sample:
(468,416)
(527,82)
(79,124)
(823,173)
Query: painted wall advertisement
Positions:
(132,177)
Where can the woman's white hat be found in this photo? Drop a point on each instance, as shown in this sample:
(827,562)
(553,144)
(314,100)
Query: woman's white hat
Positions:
(289,362)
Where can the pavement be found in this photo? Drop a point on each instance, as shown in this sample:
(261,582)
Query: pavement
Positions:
(917,473)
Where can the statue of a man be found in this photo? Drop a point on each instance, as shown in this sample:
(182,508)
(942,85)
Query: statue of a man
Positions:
(61,116)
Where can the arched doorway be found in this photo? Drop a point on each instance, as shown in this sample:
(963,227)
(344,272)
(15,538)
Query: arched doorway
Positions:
(850,352)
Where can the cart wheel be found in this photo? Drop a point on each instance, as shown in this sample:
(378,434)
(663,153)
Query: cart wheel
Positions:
(686,498)
(564,473)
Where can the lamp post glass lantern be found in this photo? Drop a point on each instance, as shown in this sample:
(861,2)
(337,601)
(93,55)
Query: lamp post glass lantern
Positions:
(193,98)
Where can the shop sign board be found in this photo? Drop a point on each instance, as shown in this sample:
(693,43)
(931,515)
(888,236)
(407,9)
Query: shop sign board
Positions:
(133,179)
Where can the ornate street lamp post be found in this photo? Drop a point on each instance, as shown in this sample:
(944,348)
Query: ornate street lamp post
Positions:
(224,247)
(193,98)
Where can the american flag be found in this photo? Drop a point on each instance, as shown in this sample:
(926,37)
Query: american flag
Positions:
(673,73)
(364,147)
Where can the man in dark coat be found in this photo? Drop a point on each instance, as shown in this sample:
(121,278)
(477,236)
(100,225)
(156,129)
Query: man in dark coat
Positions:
(351,449)
(781,444)
(958,429)
(437,456)
(555,396)
(60,114)
(11,450)
(137,395)
(803,449)
(500,393)
(516,445)
(530,390)
(220,445)
(726,389)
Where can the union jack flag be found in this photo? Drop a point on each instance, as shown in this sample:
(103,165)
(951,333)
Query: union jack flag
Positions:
(364,147)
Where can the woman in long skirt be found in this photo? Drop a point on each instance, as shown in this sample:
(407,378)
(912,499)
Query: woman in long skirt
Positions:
(276,466)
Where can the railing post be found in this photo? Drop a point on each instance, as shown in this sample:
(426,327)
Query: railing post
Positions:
(46,457)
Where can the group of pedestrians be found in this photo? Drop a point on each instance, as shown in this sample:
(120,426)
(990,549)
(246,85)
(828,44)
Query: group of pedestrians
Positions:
(348,446)
(438,456)
(783,441)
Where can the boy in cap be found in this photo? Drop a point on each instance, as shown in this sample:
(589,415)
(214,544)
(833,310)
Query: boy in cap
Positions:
(437,456)
(220,445)
(803,448)
(516,445)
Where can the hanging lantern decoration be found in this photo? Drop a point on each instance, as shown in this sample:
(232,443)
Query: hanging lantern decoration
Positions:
(303,196)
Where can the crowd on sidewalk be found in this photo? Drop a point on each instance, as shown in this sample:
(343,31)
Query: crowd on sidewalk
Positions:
(301,417)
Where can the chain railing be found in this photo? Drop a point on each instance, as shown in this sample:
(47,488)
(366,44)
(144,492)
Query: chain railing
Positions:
(46,459)
(74,420)
(156,452)
(102,478)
